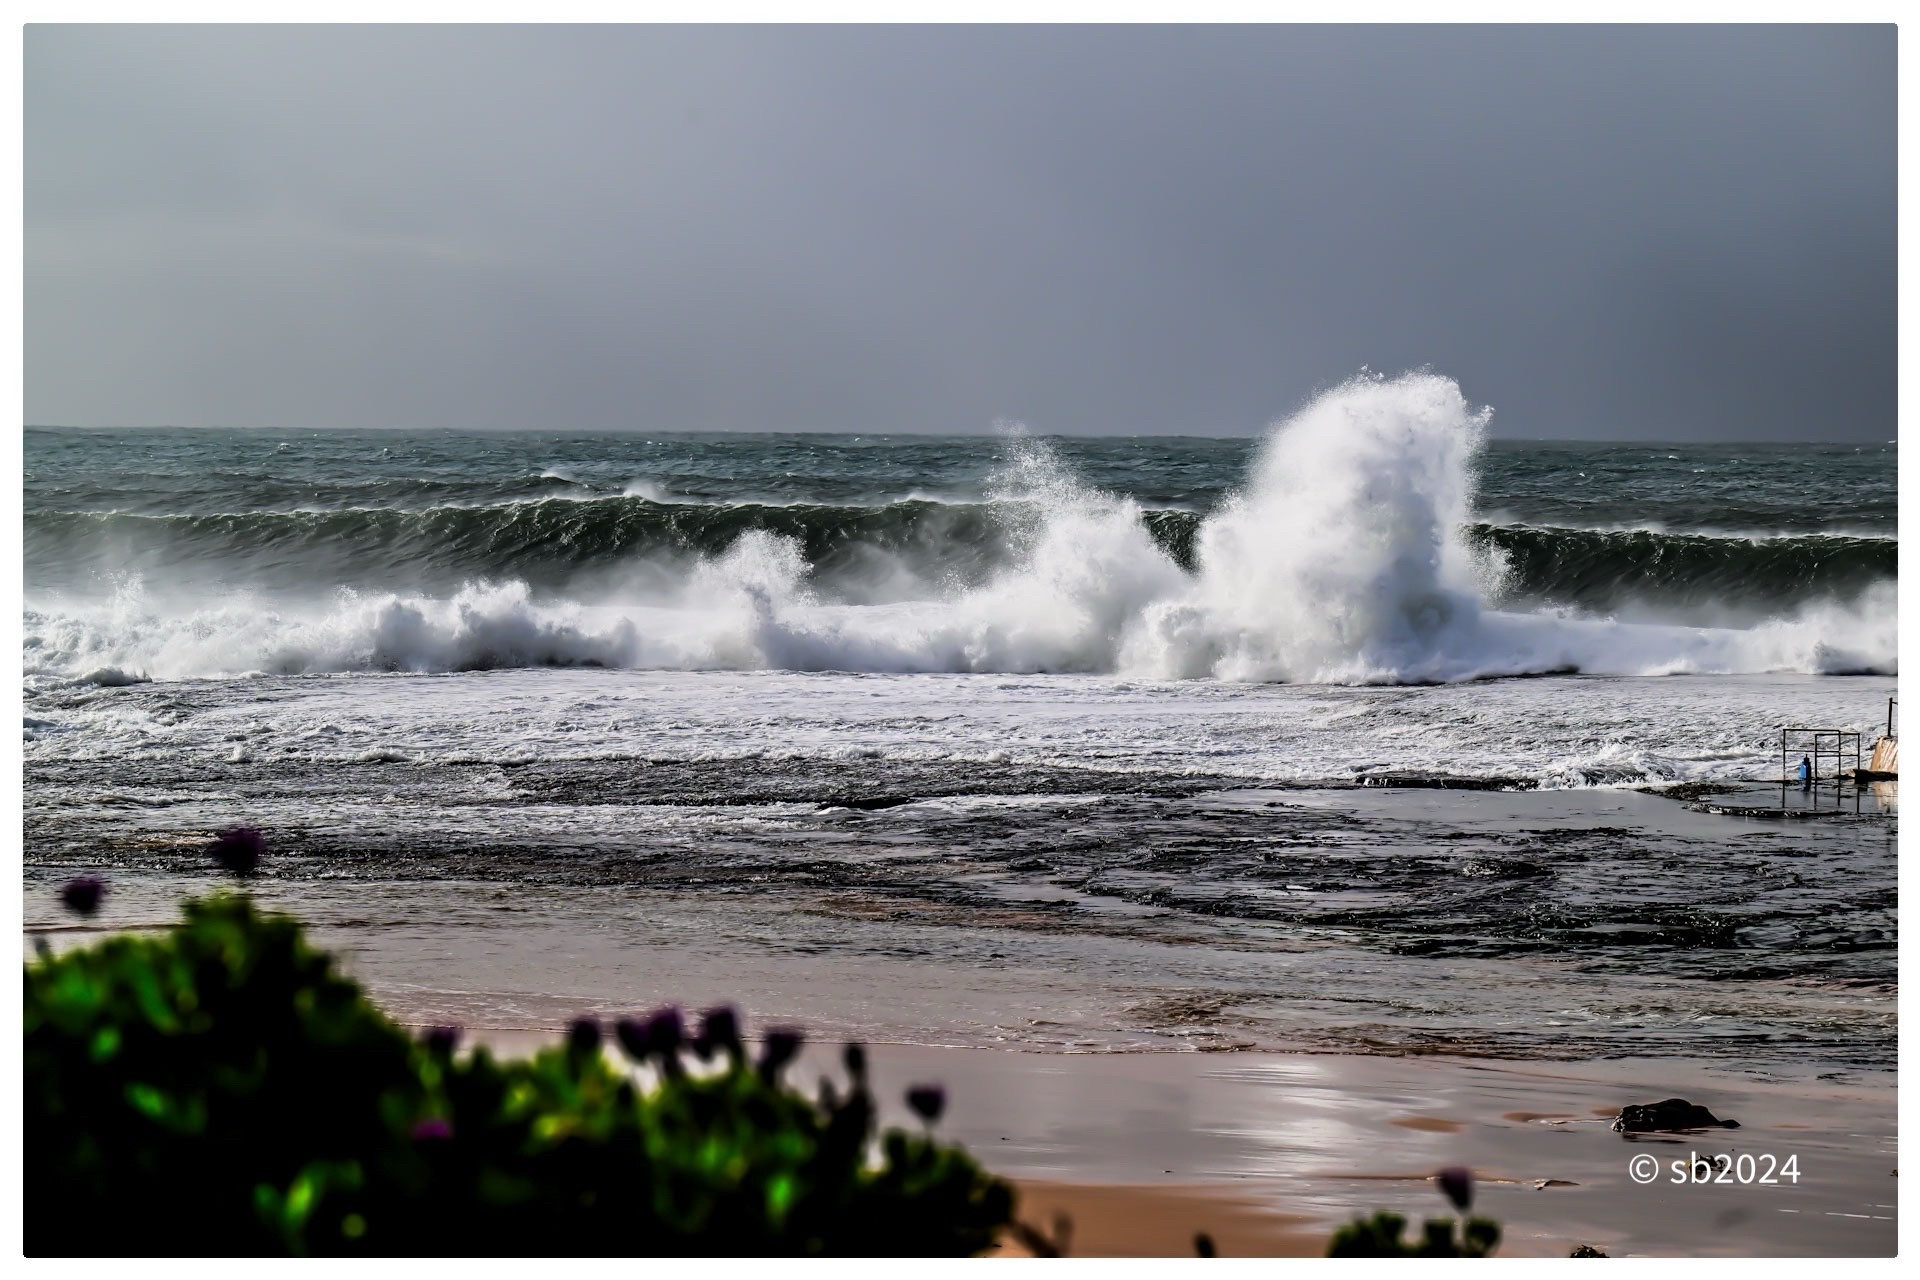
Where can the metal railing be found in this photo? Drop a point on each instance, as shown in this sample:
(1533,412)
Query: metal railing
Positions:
(1826,744)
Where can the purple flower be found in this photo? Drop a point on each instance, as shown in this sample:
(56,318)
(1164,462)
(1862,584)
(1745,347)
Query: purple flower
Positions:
(583,1038)
(781,1047)
(719,1029)
(660,1032)
(927,1101)
(442,1041)
(660,1035)
(433,1130)
(81,895)
(1457,1183)
(634,1038)
(665,1031)
(238,850)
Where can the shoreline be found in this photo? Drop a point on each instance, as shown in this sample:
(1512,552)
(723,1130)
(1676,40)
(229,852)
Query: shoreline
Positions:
(1562,925)
(1270,1152)
(1106,1220)
(1153,1071)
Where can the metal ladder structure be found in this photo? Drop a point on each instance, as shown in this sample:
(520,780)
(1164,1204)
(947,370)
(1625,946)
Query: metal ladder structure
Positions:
(1826,744)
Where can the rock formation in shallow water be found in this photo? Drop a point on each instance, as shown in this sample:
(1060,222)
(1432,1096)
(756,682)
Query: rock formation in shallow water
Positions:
(1671,1116)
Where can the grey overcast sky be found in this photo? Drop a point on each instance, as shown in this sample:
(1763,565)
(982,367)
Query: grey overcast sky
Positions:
(1626,233)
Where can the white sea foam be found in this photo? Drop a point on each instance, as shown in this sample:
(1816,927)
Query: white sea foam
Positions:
(1342,561)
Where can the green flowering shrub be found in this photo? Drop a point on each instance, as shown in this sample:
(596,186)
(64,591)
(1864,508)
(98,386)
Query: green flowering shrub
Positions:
(1379,1237)
(221,1089)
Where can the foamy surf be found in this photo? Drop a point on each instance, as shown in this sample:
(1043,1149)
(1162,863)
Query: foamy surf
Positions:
(1347,558)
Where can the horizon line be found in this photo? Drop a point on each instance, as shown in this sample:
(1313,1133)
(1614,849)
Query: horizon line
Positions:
(900,434)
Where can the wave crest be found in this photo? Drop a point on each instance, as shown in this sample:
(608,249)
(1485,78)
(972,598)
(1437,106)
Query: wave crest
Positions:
(1349,557)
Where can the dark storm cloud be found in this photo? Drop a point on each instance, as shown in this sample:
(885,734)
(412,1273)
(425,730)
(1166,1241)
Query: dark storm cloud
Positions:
(1603,232)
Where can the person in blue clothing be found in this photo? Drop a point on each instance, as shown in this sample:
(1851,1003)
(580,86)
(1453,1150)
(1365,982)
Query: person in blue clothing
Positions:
(1806,774)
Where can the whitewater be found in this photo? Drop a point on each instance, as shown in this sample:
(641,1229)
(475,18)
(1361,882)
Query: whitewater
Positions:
(1346,556)
(1182,743)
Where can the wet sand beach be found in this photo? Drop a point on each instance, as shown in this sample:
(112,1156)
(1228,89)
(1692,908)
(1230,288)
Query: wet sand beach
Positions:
(1269,1153)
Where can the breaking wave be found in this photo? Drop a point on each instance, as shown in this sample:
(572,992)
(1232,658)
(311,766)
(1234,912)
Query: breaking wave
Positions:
(1351,555)
(550,542)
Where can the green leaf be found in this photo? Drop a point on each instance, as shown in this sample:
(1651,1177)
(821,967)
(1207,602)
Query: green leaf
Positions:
(106,1042)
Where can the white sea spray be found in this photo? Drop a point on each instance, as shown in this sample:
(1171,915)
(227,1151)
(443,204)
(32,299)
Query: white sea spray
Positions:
(1344,559)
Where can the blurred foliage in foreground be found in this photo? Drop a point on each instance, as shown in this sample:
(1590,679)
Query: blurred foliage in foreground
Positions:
(1379,1237)
(221,1090)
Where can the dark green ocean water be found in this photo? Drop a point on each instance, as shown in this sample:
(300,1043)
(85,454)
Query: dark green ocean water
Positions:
(1693,530)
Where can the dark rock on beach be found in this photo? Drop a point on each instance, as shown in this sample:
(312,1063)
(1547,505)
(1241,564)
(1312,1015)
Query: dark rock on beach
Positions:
(1671,1116)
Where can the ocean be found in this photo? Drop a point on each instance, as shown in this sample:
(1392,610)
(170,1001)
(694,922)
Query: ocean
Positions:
(1354,736)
